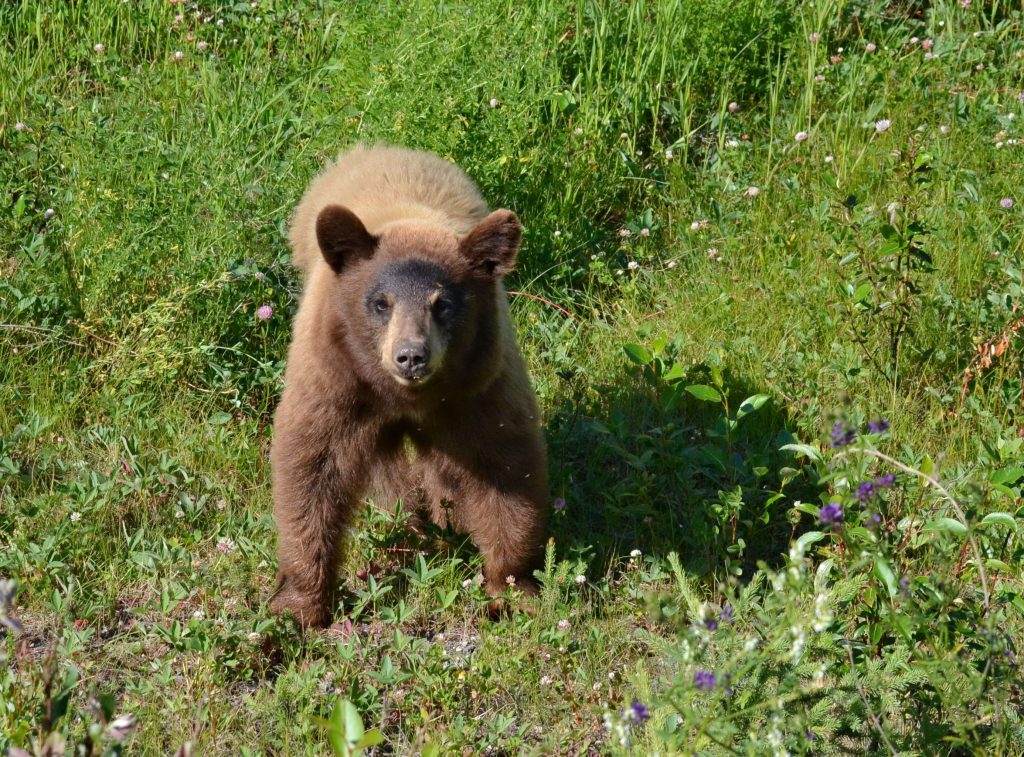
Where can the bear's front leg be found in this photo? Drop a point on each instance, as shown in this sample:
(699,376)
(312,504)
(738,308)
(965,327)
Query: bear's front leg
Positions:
(318,480)
(497,495)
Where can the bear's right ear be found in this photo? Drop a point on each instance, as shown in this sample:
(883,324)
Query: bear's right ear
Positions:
(342,237)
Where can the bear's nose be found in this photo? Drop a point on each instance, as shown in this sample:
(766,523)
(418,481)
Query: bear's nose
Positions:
(412,359)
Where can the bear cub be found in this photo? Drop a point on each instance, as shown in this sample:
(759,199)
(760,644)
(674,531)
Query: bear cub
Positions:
(403,341)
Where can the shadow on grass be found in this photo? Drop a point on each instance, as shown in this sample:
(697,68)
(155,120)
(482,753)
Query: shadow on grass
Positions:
(645,465)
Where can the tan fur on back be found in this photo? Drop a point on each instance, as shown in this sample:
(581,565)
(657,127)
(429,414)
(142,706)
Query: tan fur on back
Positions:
(385,185)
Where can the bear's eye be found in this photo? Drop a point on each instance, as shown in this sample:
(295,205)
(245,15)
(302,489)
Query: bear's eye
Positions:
(381,305)
(442,308)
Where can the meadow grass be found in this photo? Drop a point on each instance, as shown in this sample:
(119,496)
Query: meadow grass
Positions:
(754,230)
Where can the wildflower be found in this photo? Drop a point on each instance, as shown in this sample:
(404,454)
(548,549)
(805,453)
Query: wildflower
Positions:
(882,125)
(564,625)
(728,614)
(697,225)
(635,553)
(19,126)
(831,514)
(75,517)
(623,135)
(625,233)
(619,272)
(99,47)
(929,56)
(927,44)
(829,158)
(945,129)
(819,78)
(752,192)
(179,514)
(842,436)
(122,727)
(494,102)
(704,680)
(905,585)
(875,520)
(254,638)
(546,680)
(467,583)
(835,59)
(668,154)
(178,55)
(801,136)
(865,492)
(1006,202)
(714,254)
(226,546)
(711,624)
(813,37)
(870,47)
(558,233)
(201,45)
(885,481)
(965,4)
(879,426)
(263,312)
(638,712)
(671,264)
(914,40)
(734,107)
(632,265)
(580,580)
(49,213)
(645,232)
(559,503)
(510,580)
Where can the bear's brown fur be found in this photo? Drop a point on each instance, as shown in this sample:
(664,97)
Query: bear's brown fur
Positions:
(403,334)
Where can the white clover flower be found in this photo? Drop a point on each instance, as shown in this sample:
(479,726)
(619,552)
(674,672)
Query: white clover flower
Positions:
(752,192)
(75,517)
(801,136)
(635,553)
(882,125)
(580,580)
(99,47)
(632,265)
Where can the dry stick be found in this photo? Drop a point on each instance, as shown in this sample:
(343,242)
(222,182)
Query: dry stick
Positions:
(556,306)
(949,497)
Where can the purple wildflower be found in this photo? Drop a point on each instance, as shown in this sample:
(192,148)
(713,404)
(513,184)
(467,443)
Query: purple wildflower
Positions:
(711,624)
(638,712)
(875,520)
(831,514)
(728,614)
(866,491)
(885,481)
(879,426)
(1006,202)
(842,435)
(704,680)
(559,503)
(263,312)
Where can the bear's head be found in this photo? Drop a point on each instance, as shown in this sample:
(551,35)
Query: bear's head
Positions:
(417,305)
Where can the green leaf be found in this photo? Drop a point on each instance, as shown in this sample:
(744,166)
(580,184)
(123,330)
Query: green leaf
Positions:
(370,738)
(803,449)
(811,537)
(674,373)
(999,519)
(883,571)
(751,405)
(862,292)
(219,418)
(927,466)
(946,524)
(1009,475)
(704,392)
(638,354)
(19,207)
(353,724)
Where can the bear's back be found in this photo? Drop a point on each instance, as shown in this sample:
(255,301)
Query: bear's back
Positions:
(384,185)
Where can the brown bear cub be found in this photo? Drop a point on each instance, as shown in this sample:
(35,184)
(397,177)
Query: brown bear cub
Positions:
(403,338)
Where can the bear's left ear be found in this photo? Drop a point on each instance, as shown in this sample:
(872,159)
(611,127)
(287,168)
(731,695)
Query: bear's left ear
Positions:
(491,247)
(342,237)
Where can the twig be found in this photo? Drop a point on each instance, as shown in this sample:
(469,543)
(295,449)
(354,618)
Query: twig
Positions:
(556,306)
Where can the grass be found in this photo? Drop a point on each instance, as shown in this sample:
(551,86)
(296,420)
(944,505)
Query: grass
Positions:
(701,297)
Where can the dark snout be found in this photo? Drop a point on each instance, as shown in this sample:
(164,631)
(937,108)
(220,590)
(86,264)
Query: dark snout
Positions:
(412,358)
